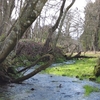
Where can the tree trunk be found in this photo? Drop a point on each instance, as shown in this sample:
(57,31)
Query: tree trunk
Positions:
(61,23)
(30,12)
(51,30)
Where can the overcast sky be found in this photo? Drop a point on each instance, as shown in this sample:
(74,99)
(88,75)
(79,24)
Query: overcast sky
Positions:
(80,4)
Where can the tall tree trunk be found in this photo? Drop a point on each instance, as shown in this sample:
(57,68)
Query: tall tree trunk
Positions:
(96,35)
(46,46)
(30,12)
(61,23)
(5,15)
(52,29)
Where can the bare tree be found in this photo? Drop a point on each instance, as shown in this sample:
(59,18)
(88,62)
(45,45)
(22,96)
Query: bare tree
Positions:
(54,27)
(28,15)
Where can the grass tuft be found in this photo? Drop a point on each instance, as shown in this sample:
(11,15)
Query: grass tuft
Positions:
(98,79)
(90,89)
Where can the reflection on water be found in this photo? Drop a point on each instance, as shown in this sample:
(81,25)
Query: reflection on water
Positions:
(67,62)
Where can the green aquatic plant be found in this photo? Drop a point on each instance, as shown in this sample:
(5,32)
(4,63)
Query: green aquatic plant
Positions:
(98,79)
(89,89)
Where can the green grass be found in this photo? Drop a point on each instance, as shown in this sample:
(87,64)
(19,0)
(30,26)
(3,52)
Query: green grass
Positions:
(98,79)
(82,69)
(90,89)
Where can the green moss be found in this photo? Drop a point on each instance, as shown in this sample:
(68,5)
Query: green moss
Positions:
(82,69)
(59,60)
(2,37)
(22,61)
(90,89)
(1,99)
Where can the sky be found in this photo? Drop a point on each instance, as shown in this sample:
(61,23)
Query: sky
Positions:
(80,4)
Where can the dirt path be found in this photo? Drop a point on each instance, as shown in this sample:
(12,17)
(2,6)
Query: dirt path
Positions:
(48,87)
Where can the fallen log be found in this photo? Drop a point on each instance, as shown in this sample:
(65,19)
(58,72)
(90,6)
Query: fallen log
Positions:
(77,56)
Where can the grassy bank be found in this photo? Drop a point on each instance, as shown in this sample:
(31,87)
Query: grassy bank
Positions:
(82,69)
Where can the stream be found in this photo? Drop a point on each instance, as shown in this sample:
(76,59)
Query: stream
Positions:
(48,87)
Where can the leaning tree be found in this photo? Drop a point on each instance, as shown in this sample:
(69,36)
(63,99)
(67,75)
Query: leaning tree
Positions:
(11,32)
